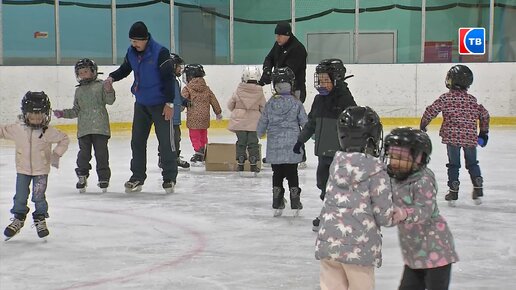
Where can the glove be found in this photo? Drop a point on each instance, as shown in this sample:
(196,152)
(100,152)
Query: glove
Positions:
(108,85)
(399,215)
(54,160)
(297,147)
(187,103)
(58,113)
(482,139)
(219,117)
(266,78)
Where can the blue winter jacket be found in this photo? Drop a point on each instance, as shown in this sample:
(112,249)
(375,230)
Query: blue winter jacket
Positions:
(282,119)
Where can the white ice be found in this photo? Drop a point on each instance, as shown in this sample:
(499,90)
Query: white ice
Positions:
(217,231)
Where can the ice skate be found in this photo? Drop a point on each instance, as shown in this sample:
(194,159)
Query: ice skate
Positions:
(17,223)
(82,183)
(478,190)
(295,200)
(265,164)
(182,163)
(278,201)
(315,224)
(103,185)
(133,186)
(197,159)
(240,165)
(168,186)
(254,166)
(453,193)
(41,226)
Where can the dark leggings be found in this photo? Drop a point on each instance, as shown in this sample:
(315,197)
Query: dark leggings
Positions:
(282,171)
(429,279)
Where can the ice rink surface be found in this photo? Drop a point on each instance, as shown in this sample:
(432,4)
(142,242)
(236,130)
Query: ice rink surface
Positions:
(217,231)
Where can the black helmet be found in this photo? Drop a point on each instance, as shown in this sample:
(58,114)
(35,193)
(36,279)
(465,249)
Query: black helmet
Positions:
(415,140)
(459,77)
(283,75)
(176,61)
(360,130)
(37,103)
(86,63)
(193,71)
(333,67)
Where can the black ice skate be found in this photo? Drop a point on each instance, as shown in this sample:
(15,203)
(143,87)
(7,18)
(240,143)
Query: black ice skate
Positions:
(82,183)
(240,164)
(197,159)
(315,224)
(453,193)
(278,200)
(254,166)
(133,186)
(478,190)
(182,163)
(103,184)
(15,227)
(295,200)
(41,226)
(168,186)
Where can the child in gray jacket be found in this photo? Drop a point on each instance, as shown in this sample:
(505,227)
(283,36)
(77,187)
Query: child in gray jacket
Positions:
(358,201)
(89,106)
(425,238)
(282,119)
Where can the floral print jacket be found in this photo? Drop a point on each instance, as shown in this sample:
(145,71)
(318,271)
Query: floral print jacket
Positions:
(425,238)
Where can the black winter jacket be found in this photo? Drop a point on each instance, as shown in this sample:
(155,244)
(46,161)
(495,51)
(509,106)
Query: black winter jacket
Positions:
(322,120)
(293,55)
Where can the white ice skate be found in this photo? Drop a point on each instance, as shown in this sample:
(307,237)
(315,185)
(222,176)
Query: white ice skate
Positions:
(451,203)
(295,212)
(477,201)
(133,186)
(277,212)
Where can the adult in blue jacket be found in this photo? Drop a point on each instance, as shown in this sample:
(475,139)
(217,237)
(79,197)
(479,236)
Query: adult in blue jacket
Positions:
(154,90)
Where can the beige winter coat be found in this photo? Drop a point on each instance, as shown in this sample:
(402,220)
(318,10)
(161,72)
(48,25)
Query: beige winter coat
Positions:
(201,96)
(246,106)
(34,148)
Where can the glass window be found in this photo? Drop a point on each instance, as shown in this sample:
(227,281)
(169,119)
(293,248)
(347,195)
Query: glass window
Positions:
(28,34)
(86,32)
(504,38)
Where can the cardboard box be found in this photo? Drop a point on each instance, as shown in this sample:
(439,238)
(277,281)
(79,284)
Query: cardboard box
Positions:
(222,157)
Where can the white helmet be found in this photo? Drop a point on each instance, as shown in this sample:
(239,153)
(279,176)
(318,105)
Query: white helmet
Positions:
(251,73)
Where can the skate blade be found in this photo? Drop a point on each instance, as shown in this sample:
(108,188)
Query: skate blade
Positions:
(197,164)
(169,190)
(8,238)
(477,201)
(295,212)
(183,168)
(104,190)
(451,203)
(278,212)
(131,190)
(82,190)
(315,228)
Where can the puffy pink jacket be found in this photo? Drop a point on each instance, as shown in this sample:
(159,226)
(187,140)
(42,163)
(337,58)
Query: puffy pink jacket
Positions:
(246,106)
(34,148)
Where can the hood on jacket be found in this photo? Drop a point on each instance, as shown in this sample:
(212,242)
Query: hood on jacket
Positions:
(198,85)
(361,172)
(283,103)
(246,94)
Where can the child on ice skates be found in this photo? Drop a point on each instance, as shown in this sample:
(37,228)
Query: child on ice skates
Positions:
(461,112)
(246,106)
(282,118)
(357,203)
(33,140)
(333,98)
(425,238)
(200,98)
(89,107)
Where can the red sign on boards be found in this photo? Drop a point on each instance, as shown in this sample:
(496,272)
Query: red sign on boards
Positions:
(438,51)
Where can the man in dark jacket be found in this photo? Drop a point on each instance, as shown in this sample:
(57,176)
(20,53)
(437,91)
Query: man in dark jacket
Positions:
(287,52)
(154,89)
(333,98)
